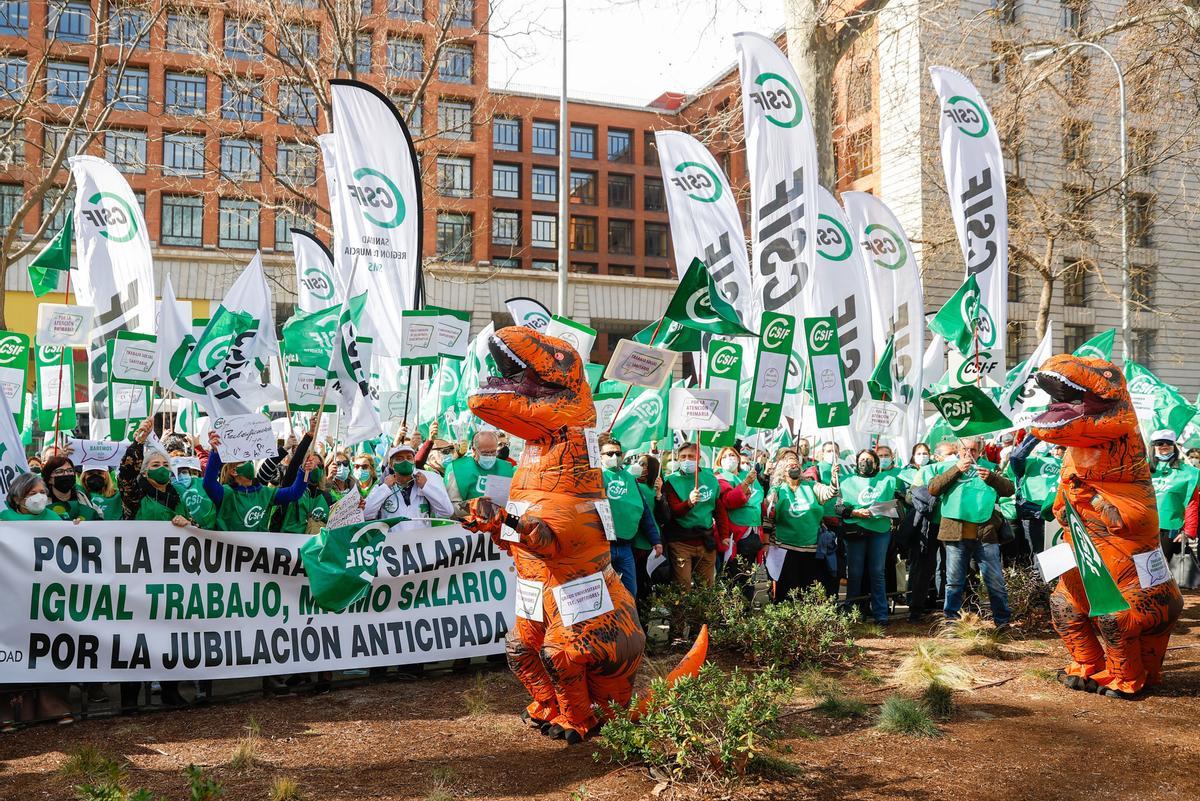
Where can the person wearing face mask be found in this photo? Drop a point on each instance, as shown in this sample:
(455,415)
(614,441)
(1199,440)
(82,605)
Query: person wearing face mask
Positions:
(147,491)
(918,459)
(868,506)
(102,493)
(1193,457)
(189,483)
(927,554)
(1036,467)
(28,499)
(35,465)
(66,497)
(310,513)
(647,471)
(467,477)
(1175,487)
(340,479)
(887,460)
(689,533)
(795,505)
(738,519)
(364,474)
(633,518)
(243,504)
(408,492)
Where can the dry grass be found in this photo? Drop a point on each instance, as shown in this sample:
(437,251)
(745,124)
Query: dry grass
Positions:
(476,698)
(900,715)
(285,788)
(443,784)
(975,636)
(934,662)
(246,753)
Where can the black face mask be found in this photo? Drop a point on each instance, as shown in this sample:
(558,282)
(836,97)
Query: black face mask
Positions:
(36,470)
(63,483)
(867,468)
(94,483)
(794,473)
(502,452)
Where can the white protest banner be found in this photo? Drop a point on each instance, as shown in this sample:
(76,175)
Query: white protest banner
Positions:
(317,285)
(245,437)
(528,312)
(877,417)
(62,325)
(96,454)
(577,335)
(700,409)
(640,365)
(418,337)
(155,602)
(12,453)
(133,358)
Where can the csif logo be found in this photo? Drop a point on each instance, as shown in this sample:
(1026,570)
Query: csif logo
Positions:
(649,412)
(967,115)
(956,409)
(616,490)
(11,348)
(778,100)
(113,216)
(699,306)
(724,358)
(886,246)
(820,337)
(448,385)
(776,334)
(317,282)
(536,320)
(698,181)
(833,235)
(375,192)
(985,329)
(972,369)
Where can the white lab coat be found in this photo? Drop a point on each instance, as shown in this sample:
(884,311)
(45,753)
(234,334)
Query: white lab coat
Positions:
(428,501)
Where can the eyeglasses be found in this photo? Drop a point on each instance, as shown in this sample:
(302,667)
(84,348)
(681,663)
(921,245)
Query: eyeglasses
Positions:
(610,453)
(62,471)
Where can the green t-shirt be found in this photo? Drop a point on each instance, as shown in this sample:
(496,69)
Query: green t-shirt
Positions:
(1040,482)
(700,515)
(1174,487)
(751,513)
(825,473)
(109,506)
(13,516)
(197,506)
(469,477)
(798,515)
(908,475)
(859,492)
(310,507)
(151,509)
(72,510)
(625,501)
(640,540)
(969,498)
(245,511)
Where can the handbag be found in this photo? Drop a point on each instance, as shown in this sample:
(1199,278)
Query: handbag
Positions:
(1184,567)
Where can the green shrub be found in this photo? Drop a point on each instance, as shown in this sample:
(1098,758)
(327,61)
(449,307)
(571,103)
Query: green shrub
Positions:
(837,706)
(88,764)
(1028,596)
(806,630)
(939,700)
(697,606)
(706,727)
(200,787)
(900,715)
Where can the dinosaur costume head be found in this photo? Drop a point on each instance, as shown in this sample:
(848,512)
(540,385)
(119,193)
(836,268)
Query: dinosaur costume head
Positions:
(541,388)
(1090,403)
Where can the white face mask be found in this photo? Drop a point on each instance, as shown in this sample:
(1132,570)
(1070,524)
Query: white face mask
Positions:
(37,502)
(1164,457)
(921,459)
(672,465)
(688,466)
(730,464)
(610,462)
(635,470)
(829,458)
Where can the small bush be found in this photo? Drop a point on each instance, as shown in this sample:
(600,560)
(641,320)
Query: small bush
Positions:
(200,787)
(867,676)
(88,764)
(107,791)
(697,606)
(1028,597)
(939,700)
(930,663)
(285,788)
(836,706)
(975,636)
(900,715)
(806,630)
(246,753)
(704,728)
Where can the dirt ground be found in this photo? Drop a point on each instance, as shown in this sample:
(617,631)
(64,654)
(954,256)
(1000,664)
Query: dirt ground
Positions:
(457,736)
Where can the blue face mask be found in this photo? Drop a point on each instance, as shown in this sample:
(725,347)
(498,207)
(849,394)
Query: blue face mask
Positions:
(1164,457)
(487,462)
(342,473)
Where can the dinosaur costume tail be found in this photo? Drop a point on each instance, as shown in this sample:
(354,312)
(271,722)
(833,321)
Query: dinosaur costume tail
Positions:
(690,665)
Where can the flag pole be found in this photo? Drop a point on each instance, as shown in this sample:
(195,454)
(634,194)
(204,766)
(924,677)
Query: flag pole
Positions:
(287,407)
(62,358)
(337,337)
(629,387)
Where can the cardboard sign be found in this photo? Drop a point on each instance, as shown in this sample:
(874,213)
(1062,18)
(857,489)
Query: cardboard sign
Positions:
(877,417)
(393,404)
(577,335)
(640,365)
(345,512)
(453,332)
(63,325)
(700,409)
(132,358)
(245,437)
(419,337)
(96,454)
(305,386)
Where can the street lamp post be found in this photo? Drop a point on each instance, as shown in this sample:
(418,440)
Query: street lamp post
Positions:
(1038,55)
(563,175)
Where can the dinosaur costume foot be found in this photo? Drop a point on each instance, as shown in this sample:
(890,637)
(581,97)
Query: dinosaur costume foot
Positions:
(1072,682)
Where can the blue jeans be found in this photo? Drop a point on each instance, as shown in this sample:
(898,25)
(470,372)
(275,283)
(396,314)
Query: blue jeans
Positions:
(987,556)
(622,562)
(868,550)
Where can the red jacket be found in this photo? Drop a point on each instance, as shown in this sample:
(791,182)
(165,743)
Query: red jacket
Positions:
(1191,514)
(732,496)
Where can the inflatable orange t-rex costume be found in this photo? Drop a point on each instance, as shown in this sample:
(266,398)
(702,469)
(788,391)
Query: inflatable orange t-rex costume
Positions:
(581,649)
(1107,480)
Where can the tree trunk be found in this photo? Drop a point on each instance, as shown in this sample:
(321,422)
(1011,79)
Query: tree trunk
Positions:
(1043,315)
(812,49)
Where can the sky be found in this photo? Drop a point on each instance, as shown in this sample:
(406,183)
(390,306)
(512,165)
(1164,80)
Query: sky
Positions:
(623,50)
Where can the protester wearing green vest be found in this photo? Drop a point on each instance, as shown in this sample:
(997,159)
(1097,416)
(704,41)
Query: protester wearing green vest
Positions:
(887,460)
(918,459)
(1175,486)
(28,500)
(967,490)
(795,506)
(467,478)
(365,475)
(868,505)
(1037,468)
(66,498)
(739,519)
(692,493)
(647,470)
(310,513)
(102,493)
(632,515)
(242,503)
(189,484)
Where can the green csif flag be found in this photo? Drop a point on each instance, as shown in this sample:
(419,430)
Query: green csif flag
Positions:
(970,411)
(1098,347)
(960,318)
(308,336)
(1104,598)
(224,332)
(1158,404)
(54,260)
(880,382)
(341,562)
(697,304)
(643,419)
(671,336)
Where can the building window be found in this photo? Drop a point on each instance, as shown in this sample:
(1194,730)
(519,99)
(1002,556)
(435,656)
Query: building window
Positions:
(506,180)
(414,117)
(656,240)
(461,13)
(241,99)
(243,39)
(286,220)
(620,145)
(127,26)
(297,104)
(296,164)
(1141,220)
(237,223)
(186,94)
(11,198)
(545,265)
(859,91)
(454,237)
(55,138)
(129,89)
(1079,213)
(362,55)
(583,234)
(406,9)
(1074,282)
(620,236)
(12,144)
(457,64)
(651,149)
(545,183)
(241,160)
(1075,143)
(453,176)
(14,20)
(506,228)
(506,262)
(1074,336)
(583,142)
(1141,152)
(1141,285)
(654,198)
(545,138)
(620,191)
(1074,15)
(126,150)
(1074,75)
(1014,285)
(406,57)
(182,221)
(187,32)
(68,21)
(506,134)
(183,155)
(454,119)
(299,44)
(621,269)
(57,218)
(543,231)
(1012,343)
(858,159)
(65,82)
(1142,342)
(12,78)
(583,187)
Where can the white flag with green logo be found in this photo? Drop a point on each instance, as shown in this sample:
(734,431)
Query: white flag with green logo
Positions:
(316,284)
(528,312)
(115,275)
(12,453)
(378,211)
(352,366)
(974,167)
(173,347)
(705,221)
(1021,398)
